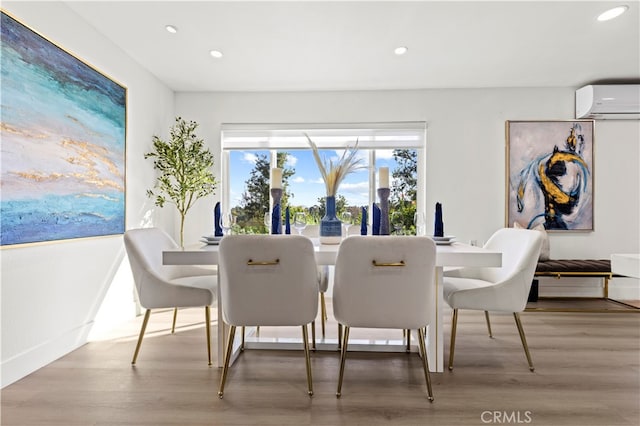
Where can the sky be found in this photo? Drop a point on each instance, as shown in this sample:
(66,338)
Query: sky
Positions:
(307,184)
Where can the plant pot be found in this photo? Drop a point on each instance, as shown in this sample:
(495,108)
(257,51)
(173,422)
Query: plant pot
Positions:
(330,225)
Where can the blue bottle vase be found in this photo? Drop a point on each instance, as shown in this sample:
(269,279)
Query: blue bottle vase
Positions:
(330,225)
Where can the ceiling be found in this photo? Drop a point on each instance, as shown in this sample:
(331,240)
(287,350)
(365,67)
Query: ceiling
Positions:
(319,45)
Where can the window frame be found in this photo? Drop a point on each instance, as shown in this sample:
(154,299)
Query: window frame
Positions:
(281,136)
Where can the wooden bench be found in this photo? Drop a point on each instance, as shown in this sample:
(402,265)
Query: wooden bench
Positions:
(559,268)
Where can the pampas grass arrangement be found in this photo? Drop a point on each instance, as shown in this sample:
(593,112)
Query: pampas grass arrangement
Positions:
(334,173)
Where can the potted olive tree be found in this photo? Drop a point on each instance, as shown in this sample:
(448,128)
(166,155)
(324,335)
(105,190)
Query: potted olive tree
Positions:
(185,167)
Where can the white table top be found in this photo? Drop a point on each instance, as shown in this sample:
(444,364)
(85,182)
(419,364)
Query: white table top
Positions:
(456,254)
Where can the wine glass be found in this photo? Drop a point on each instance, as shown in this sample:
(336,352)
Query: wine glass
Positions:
(267,222)
(347,221)
(300,221)
(227,220)
(397,221)
(419,222)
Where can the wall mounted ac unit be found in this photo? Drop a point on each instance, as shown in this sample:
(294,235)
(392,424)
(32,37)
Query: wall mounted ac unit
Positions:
(609,102)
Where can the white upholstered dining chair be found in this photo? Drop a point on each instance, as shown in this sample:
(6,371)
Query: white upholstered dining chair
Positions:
(166,286)
(269,280)
(500,289)
(385,282)
(313,231)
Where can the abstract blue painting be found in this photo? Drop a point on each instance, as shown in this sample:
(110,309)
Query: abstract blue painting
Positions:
(550,174)
(63,143)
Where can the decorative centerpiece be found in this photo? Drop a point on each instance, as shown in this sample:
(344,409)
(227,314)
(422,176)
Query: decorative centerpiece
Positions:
(333,174)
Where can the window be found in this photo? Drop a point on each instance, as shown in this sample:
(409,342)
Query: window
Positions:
(251,150)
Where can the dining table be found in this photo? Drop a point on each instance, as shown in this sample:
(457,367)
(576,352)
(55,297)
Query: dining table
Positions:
(449,255)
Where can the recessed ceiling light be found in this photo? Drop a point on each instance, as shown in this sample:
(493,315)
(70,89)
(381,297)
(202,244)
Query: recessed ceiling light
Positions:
(613,13)
(216,53)
(171,29)
(400,50)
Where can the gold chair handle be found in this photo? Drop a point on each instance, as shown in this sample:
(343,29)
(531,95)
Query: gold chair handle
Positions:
(252,262)
(376,263)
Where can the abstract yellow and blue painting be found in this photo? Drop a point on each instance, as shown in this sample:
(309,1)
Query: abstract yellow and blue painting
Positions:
(550,174)
(63,143)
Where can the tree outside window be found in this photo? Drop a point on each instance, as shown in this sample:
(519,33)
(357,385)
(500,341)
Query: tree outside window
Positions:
(405,182)
(255,198)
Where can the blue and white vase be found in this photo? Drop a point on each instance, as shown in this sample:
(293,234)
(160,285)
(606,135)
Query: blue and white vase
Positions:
(330,225)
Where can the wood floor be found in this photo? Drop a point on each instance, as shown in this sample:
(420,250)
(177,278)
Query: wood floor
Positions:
(587,304)
(587,373)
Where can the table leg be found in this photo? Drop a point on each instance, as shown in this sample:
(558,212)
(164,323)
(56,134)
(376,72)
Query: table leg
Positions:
(223,332)
(435,344)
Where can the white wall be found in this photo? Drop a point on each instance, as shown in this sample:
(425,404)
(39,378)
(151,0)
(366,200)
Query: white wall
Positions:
(52,292)
(465,152)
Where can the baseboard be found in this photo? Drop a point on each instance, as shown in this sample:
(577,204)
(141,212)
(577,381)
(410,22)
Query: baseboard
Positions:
(37,357)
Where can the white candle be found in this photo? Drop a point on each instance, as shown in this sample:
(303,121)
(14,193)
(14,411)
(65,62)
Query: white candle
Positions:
(383,177)
(276,178)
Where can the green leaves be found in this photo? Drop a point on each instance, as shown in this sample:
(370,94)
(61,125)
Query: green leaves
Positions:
(185,167)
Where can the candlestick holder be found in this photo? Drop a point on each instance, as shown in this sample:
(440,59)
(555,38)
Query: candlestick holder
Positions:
(383,195)
(276,226)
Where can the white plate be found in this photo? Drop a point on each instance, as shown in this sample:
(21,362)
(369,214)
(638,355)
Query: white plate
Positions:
(443,243)
(445,238)
(211,238)
(211,242)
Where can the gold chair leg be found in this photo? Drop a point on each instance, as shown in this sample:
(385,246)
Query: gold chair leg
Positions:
(339,336)
(452,346)
(524,340)
(175,316)
(227,359)
(313,335)
(207,317)
(486,317)
(144,327)
(305,339)
(425,362)
(323,313)
(326,316)
(343,356)
(407,333)
(242,343)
